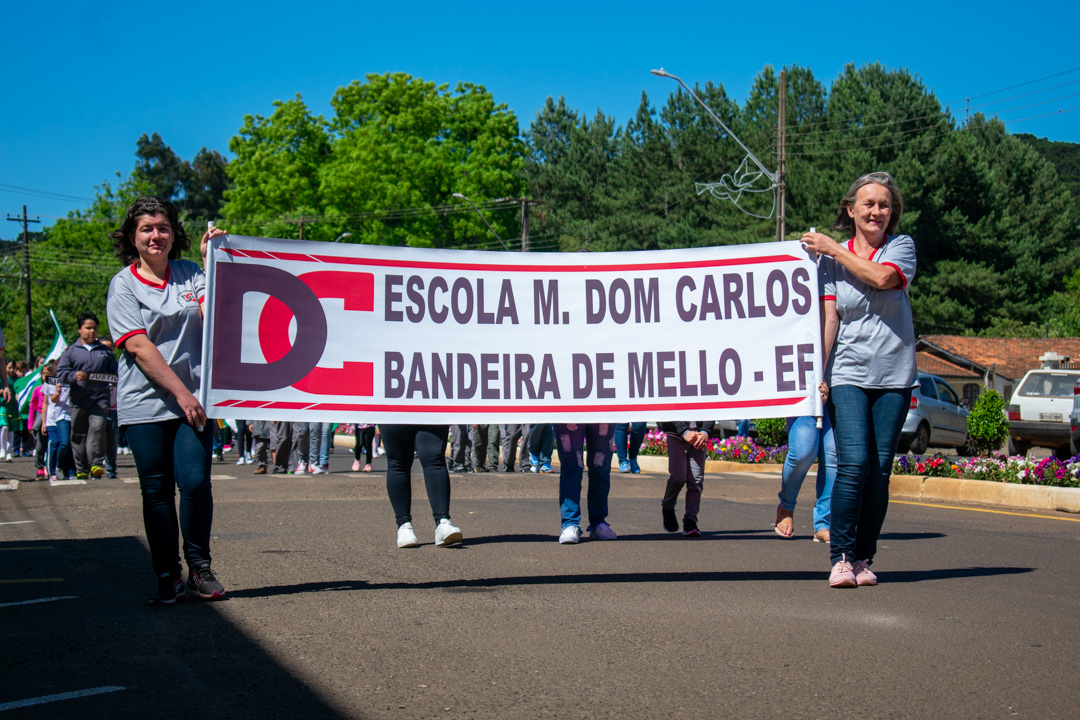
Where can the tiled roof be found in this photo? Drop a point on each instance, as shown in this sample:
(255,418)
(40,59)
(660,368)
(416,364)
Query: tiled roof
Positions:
(935,365)
(1013,356)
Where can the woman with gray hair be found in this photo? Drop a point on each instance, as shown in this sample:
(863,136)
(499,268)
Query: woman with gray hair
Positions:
(869,364)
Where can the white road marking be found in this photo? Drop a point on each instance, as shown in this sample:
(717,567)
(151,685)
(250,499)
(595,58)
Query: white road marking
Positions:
(17,522)
(73,481)
(39,600)
(60,696)
(10,485)
(222,477)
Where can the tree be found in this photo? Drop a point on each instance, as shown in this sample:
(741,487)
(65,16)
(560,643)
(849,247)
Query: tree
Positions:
(400,143)
(987,425)
(276,170)
(568,166)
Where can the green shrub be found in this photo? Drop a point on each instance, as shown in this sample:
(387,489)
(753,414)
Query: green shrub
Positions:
(987,425)
(771,432)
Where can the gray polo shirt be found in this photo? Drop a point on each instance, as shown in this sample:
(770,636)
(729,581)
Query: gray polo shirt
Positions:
(875,347)
(168,314)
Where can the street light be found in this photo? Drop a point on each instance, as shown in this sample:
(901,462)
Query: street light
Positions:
(664,73)
(459,196)
(342,236)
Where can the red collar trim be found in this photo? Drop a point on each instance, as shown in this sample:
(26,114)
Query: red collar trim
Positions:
(144,281)
(851,247)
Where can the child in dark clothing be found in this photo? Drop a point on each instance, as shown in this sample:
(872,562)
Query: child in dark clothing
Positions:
(687,442)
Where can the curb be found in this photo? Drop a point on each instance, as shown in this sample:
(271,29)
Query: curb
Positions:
(985,492)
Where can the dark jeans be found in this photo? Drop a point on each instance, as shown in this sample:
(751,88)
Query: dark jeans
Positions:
(580,446)
(632,433)
(866,426)
(243,442)
(429,442)
(541,442)
(170,455)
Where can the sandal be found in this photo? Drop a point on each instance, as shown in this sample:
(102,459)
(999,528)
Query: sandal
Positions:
(785,523)
(822,536)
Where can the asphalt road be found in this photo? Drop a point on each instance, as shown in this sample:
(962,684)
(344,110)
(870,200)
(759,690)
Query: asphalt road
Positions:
(976,615)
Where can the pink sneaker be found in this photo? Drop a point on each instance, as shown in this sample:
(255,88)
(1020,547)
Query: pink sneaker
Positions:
(367,468)
(356,466)
(863,574)
(842,575)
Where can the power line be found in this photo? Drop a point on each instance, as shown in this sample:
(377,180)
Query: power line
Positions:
(42,193)
(1013,87)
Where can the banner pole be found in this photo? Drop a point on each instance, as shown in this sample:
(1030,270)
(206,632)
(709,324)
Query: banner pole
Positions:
(208,318)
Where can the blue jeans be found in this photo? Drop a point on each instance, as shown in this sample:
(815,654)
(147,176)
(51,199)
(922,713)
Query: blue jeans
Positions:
(743,429)
(319,444)
(805,444)
(628,433)
(170,455)
(867,426)
(60,462)
(570,441)
(541,443)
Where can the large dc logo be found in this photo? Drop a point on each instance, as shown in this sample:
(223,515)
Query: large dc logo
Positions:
(288,363)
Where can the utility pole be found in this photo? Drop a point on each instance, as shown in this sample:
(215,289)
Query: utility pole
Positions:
(26,277)
(524,225)
(781,155)
(301,221)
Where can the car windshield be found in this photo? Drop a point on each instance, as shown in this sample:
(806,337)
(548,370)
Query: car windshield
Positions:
(1048,385)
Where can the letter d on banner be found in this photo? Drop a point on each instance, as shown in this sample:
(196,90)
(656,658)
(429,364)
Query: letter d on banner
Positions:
(233,281)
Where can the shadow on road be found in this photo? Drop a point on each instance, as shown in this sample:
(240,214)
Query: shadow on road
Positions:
(182,660)
(579,579)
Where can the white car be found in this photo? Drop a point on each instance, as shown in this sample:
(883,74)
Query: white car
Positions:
(1040,412)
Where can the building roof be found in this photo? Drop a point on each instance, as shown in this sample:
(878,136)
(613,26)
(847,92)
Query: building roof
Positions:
(935,365)
(1009,357)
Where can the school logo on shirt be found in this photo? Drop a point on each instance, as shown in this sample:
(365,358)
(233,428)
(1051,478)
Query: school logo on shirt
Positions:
(188,298)
(288,360)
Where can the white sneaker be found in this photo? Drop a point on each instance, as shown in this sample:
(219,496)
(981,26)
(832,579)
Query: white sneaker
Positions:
(406,538)
(316,470)
(300,469)
(570,535)
(602,531)
(249,460)
(446,534)
(240,461)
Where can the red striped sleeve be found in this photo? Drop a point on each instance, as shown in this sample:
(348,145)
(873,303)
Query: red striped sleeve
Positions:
(903,278)
(124,338)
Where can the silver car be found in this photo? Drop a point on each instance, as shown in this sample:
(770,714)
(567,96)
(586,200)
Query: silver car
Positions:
(935,419)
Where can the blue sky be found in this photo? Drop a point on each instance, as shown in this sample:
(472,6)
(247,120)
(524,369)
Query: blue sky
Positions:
(83,80)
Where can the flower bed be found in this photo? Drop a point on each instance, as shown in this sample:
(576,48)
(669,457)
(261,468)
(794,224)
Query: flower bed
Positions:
(733,449)
(997,468)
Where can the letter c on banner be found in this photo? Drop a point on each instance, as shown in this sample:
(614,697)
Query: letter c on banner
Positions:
(289,364)
(358,292)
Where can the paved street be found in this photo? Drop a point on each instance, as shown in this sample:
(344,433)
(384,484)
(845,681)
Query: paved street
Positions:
(977,614)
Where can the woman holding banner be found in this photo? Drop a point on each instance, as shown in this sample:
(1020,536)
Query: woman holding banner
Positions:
(155,311)
(428,442)
(870,364)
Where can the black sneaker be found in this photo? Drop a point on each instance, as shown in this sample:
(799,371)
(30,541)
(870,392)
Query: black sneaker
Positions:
(671,523)
(170,591)
(690,528)
(202,581)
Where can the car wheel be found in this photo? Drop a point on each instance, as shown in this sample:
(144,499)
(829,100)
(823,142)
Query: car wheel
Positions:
(1018,447)
(921,441)
(1063,452)
(965,449)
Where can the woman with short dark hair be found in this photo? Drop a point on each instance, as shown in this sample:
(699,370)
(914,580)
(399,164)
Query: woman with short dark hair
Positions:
(870,364)
(155,310)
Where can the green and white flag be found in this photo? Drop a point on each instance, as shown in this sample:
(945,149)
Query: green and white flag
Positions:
(24,386)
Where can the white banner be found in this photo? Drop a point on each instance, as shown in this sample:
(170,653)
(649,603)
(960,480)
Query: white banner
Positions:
(365,333)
